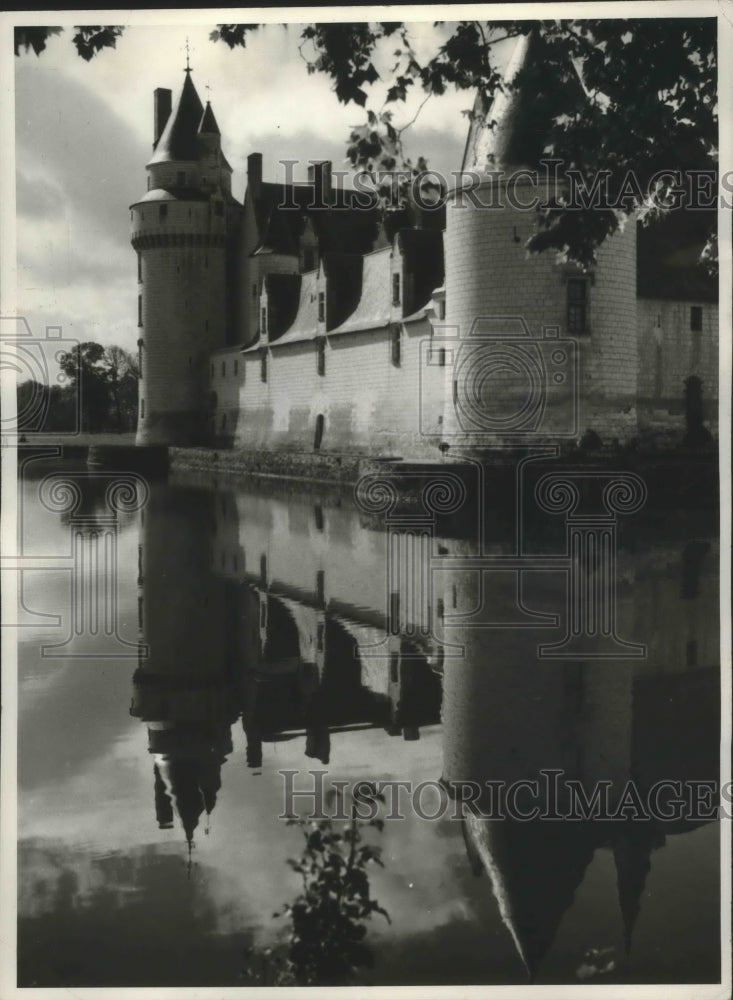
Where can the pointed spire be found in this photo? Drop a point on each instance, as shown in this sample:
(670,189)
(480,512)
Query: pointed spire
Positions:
(208,125)
(632,856)
(179,140)
(523,111)
(534,868)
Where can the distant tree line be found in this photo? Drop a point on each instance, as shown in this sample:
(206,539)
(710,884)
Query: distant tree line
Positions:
(99,393)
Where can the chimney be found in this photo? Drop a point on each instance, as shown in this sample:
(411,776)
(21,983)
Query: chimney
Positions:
(254,173)
(319,175)
(162,109)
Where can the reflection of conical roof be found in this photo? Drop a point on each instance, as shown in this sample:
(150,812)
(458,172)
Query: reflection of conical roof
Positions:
(534,868)
(179,138)
(193,785)
(536,90)
(163,804)
(631,853)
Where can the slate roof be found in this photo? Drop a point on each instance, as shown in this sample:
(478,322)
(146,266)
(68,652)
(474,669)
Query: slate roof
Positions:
(523,112)
(281,212)
(208,125)
(188,120)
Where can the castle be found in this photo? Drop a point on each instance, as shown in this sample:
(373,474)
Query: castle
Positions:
(305,320)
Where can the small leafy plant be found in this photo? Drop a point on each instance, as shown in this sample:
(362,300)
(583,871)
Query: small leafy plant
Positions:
(328,918)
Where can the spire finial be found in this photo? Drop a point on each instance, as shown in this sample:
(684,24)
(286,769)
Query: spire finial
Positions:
(188,51)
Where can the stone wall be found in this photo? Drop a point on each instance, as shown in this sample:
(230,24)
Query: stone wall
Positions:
(490,276)
(369,402)
(669,352)
(183,316)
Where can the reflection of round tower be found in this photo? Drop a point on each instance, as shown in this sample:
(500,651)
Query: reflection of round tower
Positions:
(519,377)
(181,231)
(184,690)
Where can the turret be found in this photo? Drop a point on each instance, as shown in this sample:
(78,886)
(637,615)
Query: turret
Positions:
(552,349)
(182,230)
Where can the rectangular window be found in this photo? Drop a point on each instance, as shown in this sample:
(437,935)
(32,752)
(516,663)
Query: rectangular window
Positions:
(142,407)
(236,368)
(321,307)
(139,310)
(696,319)
(321,356)
(162,212)
(140,267)
(254,290)
(441,309)
(577,300)
(441,357)
(396,345)
(395,289)
(263,366)
(223,368)
(394,668)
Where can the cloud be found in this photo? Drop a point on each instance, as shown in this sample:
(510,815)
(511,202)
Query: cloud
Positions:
(37,198)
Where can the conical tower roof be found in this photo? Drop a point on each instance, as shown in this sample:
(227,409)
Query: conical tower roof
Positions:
(179,140)
(632,856)
(535,869)
(208,125)
(536,90)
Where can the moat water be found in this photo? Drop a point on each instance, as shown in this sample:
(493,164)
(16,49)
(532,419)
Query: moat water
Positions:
(258,630)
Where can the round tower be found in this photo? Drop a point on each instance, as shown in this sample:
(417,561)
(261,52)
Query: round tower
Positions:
(181,230)
(542,351)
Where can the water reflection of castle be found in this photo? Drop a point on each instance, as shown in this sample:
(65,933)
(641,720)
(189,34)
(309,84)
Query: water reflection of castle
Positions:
(227,640)
(253,608)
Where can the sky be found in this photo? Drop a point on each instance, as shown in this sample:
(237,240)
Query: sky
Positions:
(84,134)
